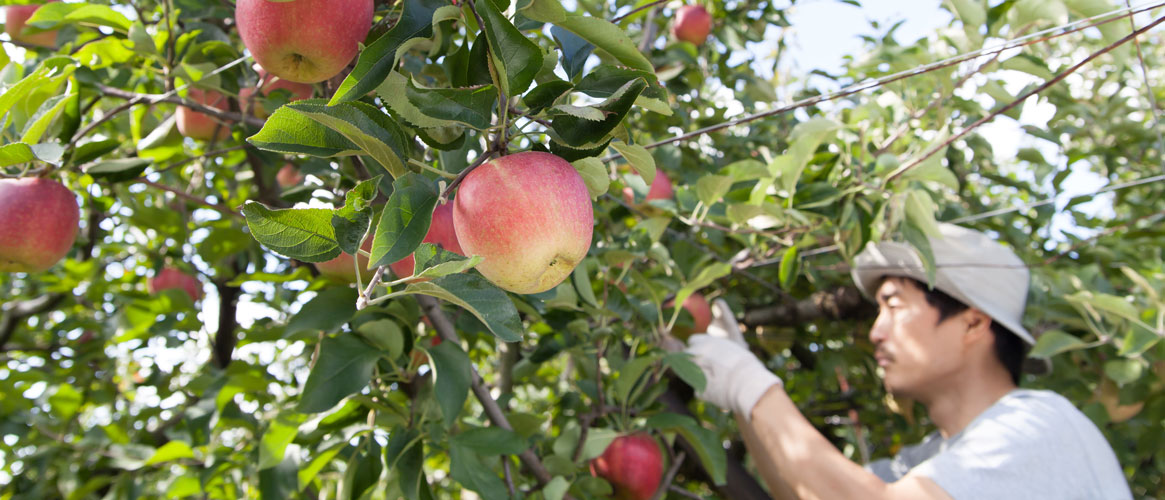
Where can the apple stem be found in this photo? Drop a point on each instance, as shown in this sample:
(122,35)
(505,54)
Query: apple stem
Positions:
(460,177)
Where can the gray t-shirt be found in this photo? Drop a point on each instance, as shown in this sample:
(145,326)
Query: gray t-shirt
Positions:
(1030,444)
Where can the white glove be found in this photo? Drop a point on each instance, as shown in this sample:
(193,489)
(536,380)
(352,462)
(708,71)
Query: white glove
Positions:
(724,323)
(736,380)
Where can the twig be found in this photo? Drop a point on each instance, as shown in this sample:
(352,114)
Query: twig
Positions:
(669,476)
(189,197)
(1100,235)
(867,85)
(14,312)
(444,327)
(638,9)
(362,301)
(1063,74)
(1148,88)
(173,99)
(682,492)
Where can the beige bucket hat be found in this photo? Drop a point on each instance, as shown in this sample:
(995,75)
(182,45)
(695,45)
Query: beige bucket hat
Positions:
(970,267)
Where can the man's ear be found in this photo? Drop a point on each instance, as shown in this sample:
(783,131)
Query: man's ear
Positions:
(978,325)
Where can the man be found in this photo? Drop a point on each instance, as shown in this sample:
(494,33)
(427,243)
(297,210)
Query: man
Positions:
(957,349)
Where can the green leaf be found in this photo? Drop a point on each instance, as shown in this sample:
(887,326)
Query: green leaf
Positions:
(468,469)
(279,482)
(351,221)
(394,92)
(453,372)
(710,188)
(174,450)
(280,433)
(804,141)
(971,12)
(519,58)
(1111,304)
(65,402)
(289,131)
(630,374)
(442,262)
(405,454)
(327,311)
(706,442)
(93,150)
(543,96)
(920,212)
(322,458)
(920,242)
(404,221)
(488,303)
(686,370)
(790,265)
(470,106)
(1043,12)
(53,15)
(365,125)
(581,133)
(300,233)
(18,152)
(36,127)
(607,79)
(380,57)
(594,174)
(598,440)
(556,489)
(385,334)
(343,368)
(575,50)
(608,37)
(546,11)
(491,441)
(639,158)
(120,170)
(363,470)
(1053,342)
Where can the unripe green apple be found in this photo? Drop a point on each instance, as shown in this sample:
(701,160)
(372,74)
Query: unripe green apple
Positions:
(529,216)
(692,24)
(38,224)
(305,41)
(269,83)
(201,126)
(15,19)
(441,233)
(170,277)
(633,464)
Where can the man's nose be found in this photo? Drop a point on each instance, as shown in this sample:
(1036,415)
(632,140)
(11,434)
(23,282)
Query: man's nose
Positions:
(879,329)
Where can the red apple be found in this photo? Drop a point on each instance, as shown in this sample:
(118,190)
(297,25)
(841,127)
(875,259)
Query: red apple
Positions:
(340,268)
(441,233)
(692,24)
(661,189)
(529,216)
(15,18)
(270,83)
(305,41)
(633,464)
(170,277)
(288,176)
(38,224)
(701,312)
(200,126)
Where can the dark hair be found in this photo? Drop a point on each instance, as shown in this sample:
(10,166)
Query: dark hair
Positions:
(1009,348)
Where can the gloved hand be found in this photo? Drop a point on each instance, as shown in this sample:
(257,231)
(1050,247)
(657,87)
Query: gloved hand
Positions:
(736,379)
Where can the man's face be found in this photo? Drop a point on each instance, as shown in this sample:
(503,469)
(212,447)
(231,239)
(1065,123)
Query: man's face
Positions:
(917,353)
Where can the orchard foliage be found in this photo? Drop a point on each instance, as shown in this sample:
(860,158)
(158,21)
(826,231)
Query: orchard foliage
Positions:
(279,383)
